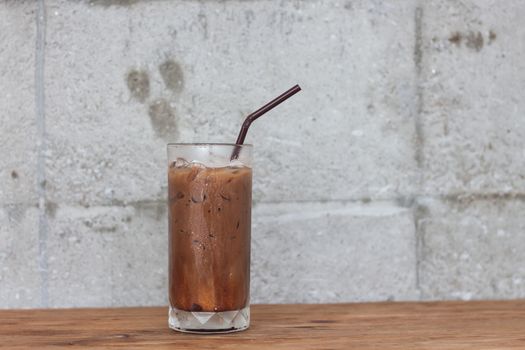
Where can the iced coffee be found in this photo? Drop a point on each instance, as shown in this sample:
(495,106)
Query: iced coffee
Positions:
(209,242)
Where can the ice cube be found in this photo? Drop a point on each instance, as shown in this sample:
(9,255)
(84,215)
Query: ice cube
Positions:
(196,171)
(181,163)
(197,165)
(236,164)
(198,196)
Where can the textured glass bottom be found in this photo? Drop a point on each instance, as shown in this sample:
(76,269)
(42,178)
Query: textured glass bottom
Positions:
(209,322)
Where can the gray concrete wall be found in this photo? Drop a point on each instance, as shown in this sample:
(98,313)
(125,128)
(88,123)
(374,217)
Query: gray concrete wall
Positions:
(396,174)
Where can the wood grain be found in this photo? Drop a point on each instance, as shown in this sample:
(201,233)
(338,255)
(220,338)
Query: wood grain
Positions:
(439,325)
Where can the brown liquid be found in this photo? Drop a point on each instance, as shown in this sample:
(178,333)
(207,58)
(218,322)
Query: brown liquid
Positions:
(209,234)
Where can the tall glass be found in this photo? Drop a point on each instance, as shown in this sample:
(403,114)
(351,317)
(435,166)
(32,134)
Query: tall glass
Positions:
(210,200)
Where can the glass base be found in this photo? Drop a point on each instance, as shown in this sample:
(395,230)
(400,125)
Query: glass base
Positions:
(209,322)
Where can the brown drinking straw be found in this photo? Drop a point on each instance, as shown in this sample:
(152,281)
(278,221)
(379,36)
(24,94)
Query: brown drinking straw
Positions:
(251,117)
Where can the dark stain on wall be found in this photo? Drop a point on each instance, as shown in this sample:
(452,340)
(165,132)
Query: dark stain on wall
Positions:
(455,38)
(473,40)
(492,36)
(14,175)
(138,84)
(172,75)
(162,117)
(51,209)
(366,200)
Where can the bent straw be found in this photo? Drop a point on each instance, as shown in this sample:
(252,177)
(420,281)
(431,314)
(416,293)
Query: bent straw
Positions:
(252,117)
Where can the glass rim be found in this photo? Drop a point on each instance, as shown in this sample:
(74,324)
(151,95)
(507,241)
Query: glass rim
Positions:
(176,144)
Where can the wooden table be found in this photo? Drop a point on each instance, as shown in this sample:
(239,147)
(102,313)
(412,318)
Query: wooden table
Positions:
(441,325)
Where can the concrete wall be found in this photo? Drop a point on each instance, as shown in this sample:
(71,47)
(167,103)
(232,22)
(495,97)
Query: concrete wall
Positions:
(396,174)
